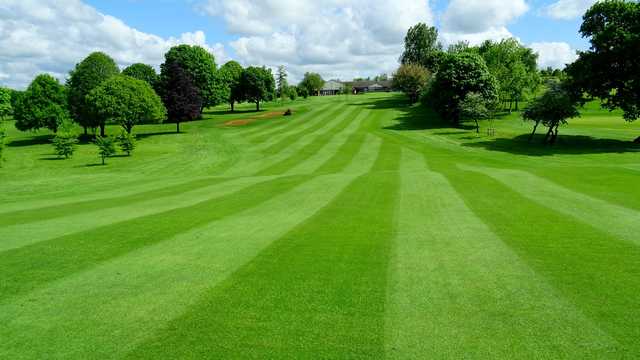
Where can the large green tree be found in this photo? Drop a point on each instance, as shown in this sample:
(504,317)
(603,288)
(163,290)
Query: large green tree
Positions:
(460,74)
(514,67)
(312,82)
(281,82)
(5,103)
(229,74)
(142,72)
(201,67)
(421,47)
(551,109)
(126,101)
(609,69)
(411,79)
(43,105)
(257,85)
(87,75)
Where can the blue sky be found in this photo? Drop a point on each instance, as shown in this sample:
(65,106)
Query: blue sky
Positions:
(338,38)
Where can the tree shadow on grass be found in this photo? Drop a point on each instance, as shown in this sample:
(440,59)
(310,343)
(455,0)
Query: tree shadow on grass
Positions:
(229,112)
(34,140)
(140,136)
(565,145)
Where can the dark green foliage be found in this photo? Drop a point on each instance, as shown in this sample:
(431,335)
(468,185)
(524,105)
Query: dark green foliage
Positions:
(126,101)
(552,109)
(292,93)
(459,75)
(42,105)
(201,67)
(421,47)
(312,82)
(86,76)
(180,96)
(609,69)
(257,85)
(474,107)
(229,76)
(127,142)
(411,79)
(65,141)
(282,86)
(106,147)
(5,103)
(142,72)
(15,95)
(302,91)
(2,136)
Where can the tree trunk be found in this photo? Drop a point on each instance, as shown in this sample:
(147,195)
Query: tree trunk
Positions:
(554,135)
(516,104)
(85,130)
(232,106)
(129,127)
(102,160)
(535,127)
(477,126)
(548,136)
(177,126)
(102,126)
(257,105)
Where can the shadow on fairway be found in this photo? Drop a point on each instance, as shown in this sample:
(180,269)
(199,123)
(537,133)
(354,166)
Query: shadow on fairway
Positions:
(565,145)
(229,112)
(34,140)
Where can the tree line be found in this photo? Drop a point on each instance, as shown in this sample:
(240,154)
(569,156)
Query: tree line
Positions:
(469,83)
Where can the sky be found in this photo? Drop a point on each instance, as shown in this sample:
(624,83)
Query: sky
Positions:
(340,39)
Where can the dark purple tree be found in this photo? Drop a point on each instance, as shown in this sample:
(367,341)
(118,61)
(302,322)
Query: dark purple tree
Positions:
(180,95)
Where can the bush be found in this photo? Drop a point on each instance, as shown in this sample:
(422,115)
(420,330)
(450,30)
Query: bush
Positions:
(127,142)
(288,112)
(293,93)
(64,143)
(106,147)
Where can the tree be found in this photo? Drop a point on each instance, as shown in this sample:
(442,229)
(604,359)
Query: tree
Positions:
(474,107)
(302,91)
(281,82)
(87,75)
(106,147)
(292,92)
(127,142)
(5,103)
(459,75)
(126,101)
(411,79)
(514,67)
(312,82)
(64,143)
(421,47)
(609,69)
(552,109)
(2,136)
(142,72)
(257,85)
(181,97)
(201,67)
(42,105)
(229,74)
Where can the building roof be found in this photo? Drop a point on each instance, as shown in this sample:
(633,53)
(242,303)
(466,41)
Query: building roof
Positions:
(370,84)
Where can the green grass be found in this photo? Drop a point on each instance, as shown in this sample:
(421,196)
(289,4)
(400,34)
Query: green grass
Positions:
(359,227)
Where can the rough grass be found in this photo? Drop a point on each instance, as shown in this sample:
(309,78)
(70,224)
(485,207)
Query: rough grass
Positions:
(356,228)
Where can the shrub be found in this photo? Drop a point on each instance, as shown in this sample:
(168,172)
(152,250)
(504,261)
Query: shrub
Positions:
(65,142)
(127,142)
(106,147)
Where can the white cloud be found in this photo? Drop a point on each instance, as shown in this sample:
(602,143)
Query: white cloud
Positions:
(568,9)
(52,36)
(338,38)
(554,54)
(478,16)
(478,20)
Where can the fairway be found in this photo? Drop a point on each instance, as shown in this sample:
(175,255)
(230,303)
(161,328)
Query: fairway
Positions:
(359,227)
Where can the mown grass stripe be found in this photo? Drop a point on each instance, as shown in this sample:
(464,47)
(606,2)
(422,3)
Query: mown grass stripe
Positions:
(29,267)
(598,273)
(317,292)
(300,122)
(457,291)
(312,147)
(167,277)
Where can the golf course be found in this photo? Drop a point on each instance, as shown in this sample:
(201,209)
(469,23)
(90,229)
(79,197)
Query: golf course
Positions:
(358,227)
